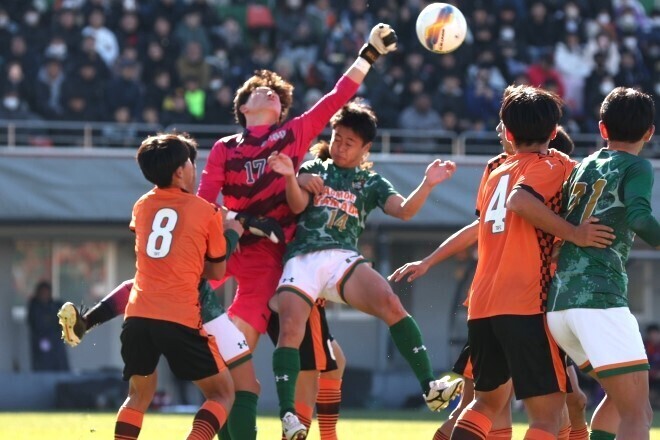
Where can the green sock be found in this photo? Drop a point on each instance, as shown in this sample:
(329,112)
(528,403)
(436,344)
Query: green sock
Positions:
(286,366)
(408,339)
(242,420)
(601,435)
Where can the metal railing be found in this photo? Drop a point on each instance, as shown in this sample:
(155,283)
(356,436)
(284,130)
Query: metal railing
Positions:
(89,135)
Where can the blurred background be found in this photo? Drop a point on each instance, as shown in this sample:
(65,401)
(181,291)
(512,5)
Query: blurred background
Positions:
(83,81)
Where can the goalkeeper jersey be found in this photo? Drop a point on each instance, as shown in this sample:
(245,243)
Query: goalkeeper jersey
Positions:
(615,187)
(237,164)
(335,218)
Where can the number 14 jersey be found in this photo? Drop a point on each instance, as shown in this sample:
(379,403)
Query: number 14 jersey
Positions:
(513,270)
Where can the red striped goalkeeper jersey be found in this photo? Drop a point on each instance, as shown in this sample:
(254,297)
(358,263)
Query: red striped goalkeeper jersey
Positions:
(237,164)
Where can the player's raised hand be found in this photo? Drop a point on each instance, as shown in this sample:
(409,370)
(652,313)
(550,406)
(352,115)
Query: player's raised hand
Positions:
(312,183)
(414,270)
(592,234)
(439,171)
(281,164)
(382,40)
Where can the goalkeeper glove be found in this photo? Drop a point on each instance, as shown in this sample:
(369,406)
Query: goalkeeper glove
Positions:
(382,40)
(259,226)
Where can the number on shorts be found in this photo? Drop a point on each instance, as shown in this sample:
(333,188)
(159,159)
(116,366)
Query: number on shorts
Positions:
(160,239)
(496,211)
(579,190)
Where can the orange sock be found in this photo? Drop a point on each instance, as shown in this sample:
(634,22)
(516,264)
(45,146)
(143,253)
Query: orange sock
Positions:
(208,421)
(564,433)
(327,407)
(538,434)
(471,425)
(128,424)
(579,434)
(500,434)
(305,414)
(439,435)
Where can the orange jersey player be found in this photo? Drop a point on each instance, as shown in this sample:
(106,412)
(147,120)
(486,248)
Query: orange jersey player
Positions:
(178,239)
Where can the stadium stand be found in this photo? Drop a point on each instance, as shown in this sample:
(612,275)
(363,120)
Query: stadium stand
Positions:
(119,67)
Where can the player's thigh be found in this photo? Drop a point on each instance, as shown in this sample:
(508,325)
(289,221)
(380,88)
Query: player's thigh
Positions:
(490,369)
(232,345)
(316,351)
(463,364)
(564,336)
(218,387)
(257,270)
(628,391)
(536,362)
(138,350)
(610,338)
(366,290)
(191,353)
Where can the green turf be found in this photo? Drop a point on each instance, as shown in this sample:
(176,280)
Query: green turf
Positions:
(354,425)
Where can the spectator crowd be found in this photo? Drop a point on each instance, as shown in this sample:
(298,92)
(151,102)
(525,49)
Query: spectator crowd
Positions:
(179,62)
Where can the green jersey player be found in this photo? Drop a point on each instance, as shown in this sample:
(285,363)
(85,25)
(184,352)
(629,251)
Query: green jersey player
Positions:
(588,312)
(323,262)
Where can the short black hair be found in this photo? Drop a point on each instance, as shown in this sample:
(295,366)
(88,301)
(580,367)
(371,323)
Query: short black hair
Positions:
(628,114)
(530,114)
(562,142)
(159,156)
(359,117)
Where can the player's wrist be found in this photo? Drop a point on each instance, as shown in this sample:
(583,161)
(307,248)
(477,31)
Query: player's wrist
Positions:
(369,53)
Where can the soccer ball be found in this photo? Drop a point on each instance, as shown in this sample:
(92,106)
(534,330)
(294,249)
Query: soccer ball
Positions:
(441,28)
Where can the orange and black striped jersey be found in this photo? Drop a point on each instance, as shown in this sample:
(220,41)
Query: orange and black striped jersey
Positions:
(513,270)
(174,233)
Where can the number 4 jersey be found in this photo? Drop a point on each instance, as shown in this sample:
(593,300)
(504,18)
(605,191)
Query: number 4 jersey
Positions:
(335,218)
(513,271)
(174,233)
(615,187)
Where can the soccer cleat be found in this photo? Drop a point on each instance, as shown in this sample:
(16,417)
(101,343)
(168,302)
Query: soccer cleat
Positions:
(72,323)
(442,392)
(292,428)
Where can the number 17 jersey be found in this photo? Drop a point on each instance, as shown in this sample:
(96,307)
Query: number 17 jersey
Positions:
(513,270)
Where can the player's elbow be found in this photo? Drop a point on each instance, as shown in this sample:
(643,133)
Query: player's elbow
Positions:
(516,201)
(215,271)
(297,208)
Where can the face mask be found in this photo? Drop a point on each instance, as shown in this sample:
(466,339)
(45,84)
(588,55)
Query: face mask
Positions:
(606,87)
(4,21)
(11,102)
(630,42)
(657,89)
(507,34)
(31,18)
(57,50)
(572,12)
(215,84)
(603,18)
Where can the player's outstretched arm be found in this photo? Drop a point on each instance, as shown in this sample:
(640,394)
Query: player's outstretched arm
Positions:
(589,234)
(438,171)
(457,242)
(382,40)
(296,197)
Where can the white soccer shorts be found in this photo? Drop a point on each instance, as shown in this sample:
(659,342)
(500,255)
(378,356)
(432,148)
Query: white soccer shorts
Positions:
(320,274)
(605,340)
(231,342)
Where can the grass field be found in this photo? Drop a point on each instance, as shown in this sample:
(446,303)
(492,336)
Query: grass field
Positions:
(353,425)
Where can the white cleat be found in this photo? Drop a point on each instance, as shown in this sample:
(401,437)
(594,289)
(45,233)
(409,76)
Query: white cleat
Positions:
(292,428)
(73,325)
(442,392)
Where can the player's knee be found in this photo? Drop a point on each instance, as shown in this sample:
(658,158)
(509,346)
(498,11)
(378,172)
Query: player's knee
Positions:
(576,402)
(292,330)
(394,308)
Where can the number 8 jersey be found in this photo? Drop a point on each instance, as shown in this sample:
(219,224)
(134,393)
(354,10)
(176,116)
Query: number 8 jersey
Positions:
(513,270)
(175,232)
